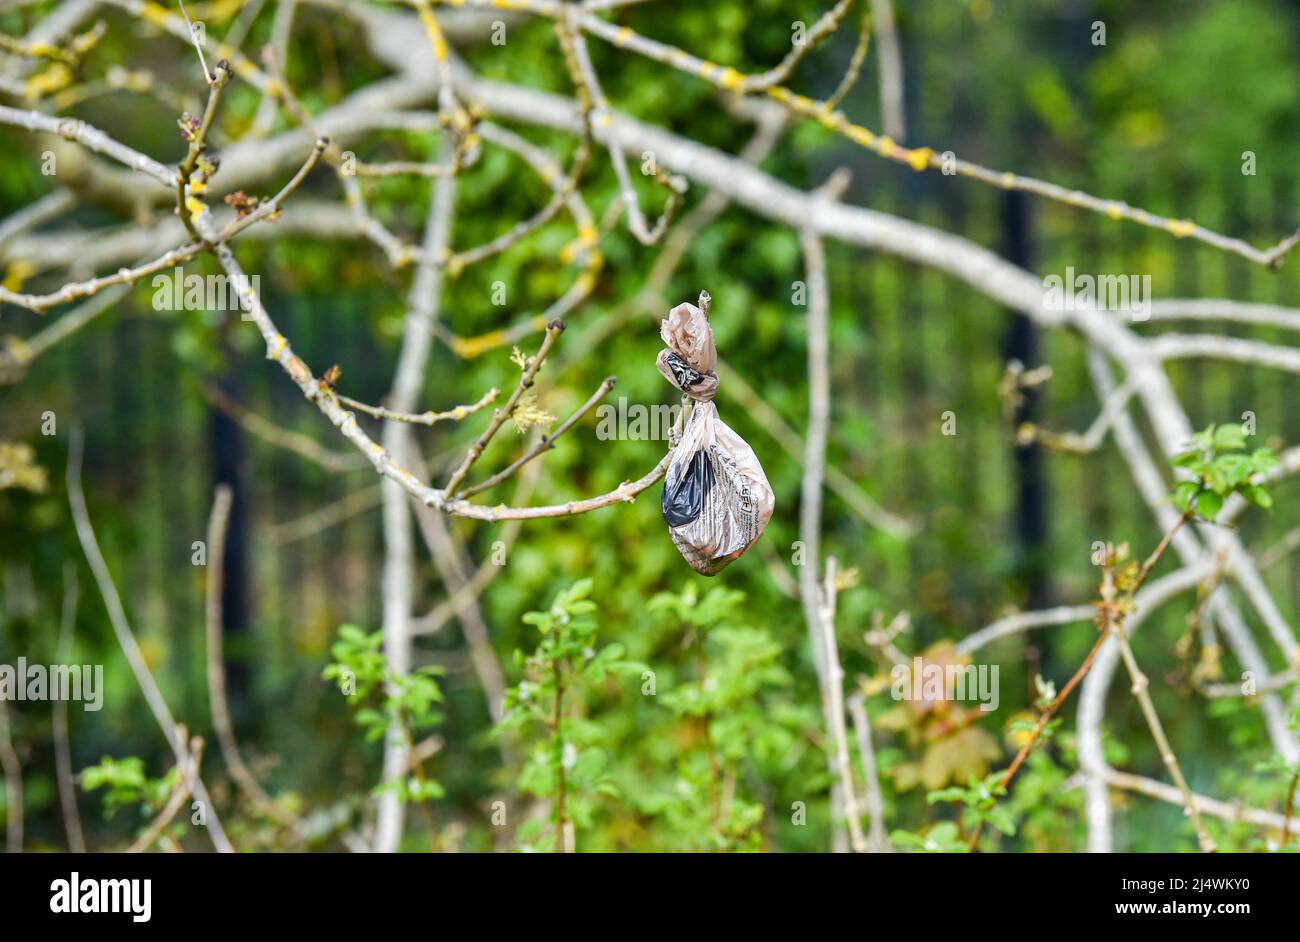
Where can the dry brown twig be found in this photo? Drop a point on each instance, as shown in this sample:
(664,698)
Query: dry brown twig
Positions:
(1111,613)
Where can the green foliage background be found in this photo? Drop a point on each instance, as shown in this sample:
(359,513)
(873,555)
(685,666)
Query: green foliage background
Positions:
(1159,117)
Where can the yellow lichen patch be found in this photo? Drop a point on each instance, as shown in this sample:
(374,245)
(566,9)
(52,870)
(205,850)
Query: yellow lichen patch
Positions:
(731,79)
(19,271)
(467,348)
(245,69)
(1008,180)
(17,350)
(1115,210)
(53,79)
(154,14)
(920,158)
(1181,228)
(45,51)
(834,120)
(860,135)
(621,36)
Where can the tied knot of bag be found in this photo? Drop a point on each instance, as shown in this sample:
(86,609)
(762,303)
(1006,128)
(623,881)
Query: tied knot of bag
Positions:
(691,356)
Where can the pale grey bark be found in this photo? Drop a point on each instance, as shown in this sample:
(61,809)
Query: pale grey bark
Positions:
(399,543)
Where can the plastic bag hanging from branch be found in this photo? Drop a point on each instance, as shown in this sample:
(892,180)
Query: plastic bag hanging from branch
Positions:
(716,497)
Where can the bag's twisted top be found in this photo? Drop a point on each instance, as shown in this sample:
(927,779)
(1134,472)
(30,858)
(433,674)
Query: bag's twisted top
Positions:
(691,356)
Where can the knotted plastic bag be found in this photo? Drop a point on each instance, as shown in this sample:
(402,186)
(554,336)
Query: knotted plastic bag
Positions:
(716,497)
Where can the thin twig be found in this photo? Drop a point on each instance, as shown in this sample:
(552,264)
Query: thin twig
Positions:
(198,144)
(273,434)
(129,276)
(1052,708)
(600,118)
(62,746)
(499,417)
(1232,812)
(1115,624)
(214,629)
(198,47)
(130,647)
(834,707)
(455,414)
(877,835)
(828,23)
(175,801)
(325,517)
(545,443)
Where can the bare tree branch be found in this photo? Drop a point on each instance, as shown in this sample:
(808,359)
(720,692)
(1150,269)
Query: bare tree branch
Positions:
(173,733)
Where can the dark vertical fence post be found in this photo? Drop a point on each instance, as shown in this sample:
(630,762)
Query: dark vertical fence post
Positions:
(1021,343)
(227,445)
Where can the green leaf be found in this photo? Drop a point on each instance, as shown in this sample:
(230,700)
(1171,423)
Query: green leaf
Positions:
(1235,468)
(1000,817)
(946,794)
(1257,495)
(1229,436)
(1208,504)
(580,590)
(1264,459)
(1183,494)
